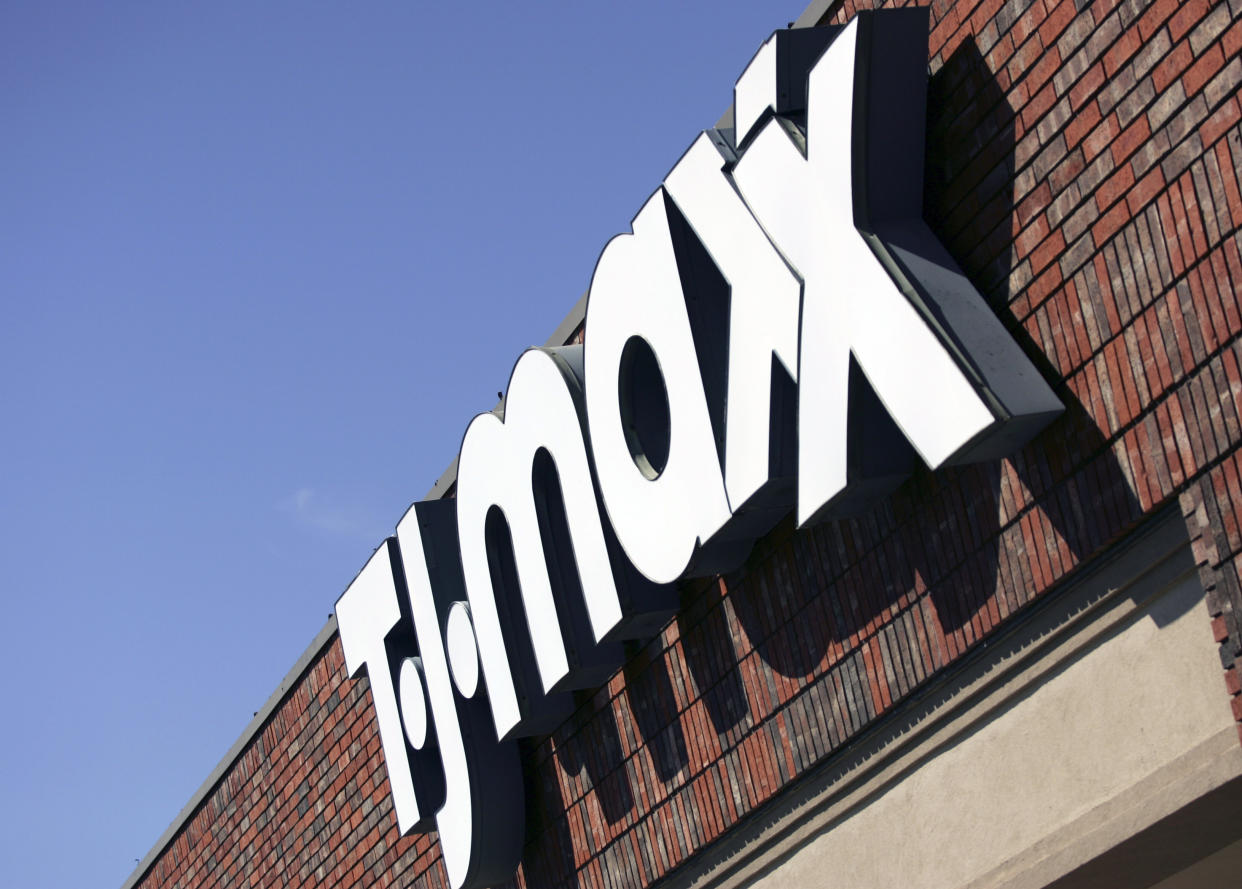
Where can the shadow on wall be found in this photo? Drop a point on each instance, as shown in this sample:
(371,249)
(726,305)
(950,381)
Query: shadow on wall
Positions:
(939,537)
(941,532)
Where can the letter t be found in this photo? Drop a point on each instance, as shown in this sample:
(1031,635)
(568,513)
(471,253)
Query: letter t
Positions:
(366,613)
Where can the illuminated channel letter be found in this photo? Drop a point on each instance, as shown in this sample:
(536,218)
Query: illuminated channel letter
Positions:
(481,823)
(376,636)
(884,308)
(498,482)
(657,464)
(764,297)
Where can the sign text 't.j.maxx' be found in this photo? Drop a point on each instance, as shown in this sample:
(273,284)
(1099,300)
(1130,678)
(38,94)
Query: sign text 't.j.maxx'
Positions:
(782,330)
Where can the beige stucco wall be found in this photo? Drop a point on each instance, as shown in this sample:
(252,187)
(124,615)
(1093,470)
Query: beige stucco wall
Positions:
(1103,743)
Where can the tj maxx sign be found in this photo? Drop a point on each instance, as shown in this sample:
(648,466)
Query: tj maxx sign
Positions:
(781,331)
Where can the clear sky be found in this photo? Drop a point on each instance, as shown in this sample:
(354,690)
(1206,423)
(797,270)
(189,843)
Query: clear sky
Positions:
(259,265)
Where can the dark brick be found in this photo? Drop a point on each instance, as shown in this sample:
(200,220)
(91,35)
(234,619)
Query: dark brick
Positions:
(1181,157)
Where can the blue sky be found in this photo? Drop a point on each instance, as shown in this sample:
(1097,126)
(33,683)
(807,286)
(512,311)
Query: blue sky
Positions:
(259,265)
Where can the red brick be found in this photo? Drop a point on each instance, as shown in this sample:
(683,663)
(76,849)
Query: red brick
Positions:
(1133,136)
(1058,20)
(1168,440)
(1180,233)
(1066,175)
(1138,465)
(1178,427)
(1194,219)
(1031,237)
(1145,190)
(1120,52)
(1233,259)
(1081,340)
(1228,493)
(1047,65)
(1026,23)
(1229,294)
(983,13)
(1222,120)
(1180,332)
(1210,30)
(1203,70)
(1036,202)
(1036,554)
(1168,224)
(1171,66)
(1157,376)
(1207,313)
(1107,296)
(998,56)
(1110,223)
(1087,86)
(1111,391)
(1038,106)
(1189,15)
(1231,40)
(1133,404)
(1153,18)
(944,33)
(1100,137)
(1024,58)
(1047,251)
(1060,354)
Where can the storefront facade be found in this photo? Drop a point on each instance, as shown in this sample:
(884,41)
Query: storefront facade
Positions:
(1021,671)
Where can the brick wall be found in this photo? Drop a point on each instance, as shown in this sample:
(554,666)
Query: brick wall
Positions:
(1116,244)
(1083,167)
